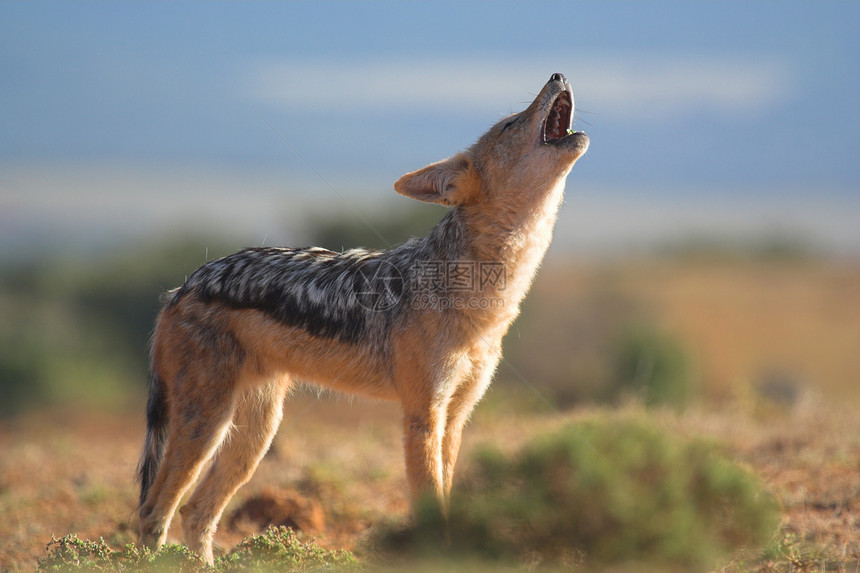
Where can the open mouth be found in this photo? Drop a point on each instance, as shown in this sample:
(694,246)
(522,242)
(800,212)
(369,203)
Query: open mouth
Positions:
(558,121)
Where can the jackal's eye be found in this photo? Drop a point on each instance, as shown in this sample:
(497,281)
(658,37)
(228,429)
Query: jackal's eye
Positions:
(507,125)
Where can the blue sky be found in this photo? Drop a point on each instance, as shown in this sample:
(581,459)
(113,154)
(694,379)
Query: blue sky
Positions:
(726,102)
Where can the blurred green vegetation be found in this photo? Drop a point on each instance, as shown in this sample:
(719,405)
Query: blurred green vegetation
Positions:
(383,231)
(75,330)
(773,246)
(654,367)
(564,342)
(596,342)
(607,491)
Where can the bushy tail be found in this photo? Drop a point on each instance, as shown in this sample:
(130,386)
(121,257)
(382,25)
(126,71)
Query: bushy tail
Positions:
(156,435)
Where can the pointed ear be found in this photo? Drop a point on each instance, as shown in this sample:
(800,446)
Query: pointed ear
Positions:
(453,181)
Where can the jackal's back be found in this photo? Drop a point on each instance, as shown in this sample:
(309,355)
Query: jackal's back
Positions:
(337,295)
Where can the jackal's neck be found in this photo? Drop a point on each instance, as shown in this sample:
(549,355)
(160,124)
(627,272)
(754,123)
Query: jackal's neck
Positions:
(515,233)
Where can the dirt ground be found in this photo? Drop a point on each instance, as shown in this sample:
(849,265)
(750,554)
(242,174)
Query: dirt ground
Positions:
(343,458)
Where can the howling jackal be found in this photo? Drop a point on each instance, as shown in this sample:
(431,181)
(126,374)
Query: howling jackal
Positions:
(420,324)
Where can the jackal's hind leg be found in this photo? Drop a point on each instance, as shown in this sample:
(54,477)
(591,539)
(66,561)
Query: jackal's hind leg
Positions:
(255,423)
(194,433)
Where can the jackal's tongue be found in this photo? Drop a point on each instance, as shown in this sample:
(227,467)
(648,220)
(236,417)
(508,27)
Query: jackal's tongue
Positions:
(558,120)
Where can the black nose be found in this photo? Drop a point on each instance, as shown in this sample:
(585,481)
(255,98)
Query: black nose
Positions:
(557,78)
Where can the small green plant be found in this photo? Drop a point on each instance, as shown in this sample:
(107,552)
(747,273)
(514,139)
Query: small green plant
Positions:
(789,552)
(614,489)
(277,549)
(70,553)
(280,549)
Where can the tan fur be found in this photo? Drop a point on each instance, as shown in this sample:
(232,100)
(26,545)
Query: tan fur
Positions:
(226,370)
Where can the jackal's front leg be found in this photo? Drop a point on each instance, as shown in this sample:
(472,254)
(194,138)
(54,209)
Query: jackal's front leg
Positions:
(459,408)
(423,430)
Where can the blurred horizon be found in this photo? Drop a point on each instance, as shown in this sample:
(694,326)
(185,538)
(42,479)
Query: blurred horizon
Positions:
(130,121)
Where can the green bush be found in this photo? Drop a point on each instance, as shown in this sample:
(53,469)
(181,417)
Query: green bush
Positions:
(616,490)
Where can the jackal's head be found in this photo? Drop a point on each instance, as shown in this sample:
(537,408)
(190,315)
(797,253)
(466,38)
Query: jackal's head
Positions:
(525,154)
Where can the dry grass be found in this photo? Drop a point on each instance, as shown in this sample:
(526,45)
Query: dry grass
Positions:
(75,476)
(810,459)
